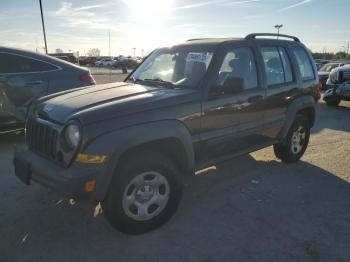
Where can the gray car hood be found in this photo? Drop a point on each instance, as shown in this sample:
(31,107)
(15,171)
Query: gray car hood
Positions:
(99,102)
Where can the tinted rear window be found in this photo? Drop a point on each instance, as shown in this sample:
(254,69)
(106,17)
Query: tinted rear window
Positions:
(277,65)
(10,63)
(304,63)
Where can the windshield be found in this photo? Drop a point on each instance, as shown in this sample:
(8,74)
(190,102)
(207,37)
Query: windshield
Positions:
(328,67)
(175,68)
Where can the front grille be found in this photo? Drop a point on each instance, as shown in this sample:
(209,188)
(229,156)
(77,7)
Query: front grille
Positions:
(344,76)
(42,138)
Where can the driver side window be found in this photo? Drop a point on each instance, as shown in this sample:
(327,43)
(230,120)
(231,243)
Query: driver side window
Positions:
(239,63)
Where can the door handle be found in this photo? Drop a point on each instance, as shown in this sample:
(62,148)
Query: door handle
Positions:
(36,82)
(253,99)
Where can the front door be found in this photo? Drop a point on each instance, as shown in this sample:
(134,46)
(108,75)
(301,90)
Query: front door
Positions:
(233,121)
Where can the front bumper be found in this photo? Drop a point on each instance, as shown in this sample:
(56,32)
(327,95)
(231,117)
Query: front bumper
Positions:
(69,182)
(341,91)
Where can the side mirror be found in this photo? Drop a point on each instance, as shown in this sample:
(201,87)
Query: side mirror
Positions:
(233,85)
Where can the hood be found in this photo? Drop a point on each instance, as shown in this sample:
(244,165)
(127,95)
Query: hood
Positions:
(323,73)
(342,68)
(106,101)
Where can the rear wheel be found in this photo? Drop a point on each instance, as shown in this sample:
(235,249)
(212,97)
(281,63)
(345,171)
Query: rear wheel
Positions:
(296,141)
(144,194)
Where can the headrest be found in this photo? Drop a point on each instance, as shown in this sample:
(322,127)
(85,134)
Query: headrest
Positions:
(274,63)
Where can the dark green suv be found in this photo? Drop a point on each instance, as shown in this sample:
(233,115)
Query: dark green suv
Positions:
(186,107)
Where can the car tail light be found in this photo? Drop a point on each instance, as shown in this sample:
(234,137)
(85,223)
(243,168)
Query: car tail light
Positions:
(88,79)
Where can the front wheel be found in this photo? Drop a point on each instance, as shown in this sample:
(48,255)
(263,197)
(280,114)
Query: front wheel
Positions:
(144,194)
(333,102)
(296,141)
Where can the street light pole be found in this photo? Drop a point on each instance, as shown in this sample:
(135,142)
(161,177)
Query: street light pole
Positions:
(43,23)
(278,27)
(109,42)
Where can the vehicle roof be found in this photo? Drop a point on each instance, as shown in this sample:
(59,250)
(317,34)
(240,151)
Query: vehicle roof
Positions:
(42,57)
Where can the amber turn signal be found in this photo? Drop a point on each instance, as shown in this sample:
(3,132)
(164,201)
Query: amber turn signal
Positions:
(90,159)
(90,186)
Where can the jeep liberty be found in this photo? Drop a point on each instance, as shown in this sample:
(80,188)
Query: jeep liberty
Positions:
(127,145)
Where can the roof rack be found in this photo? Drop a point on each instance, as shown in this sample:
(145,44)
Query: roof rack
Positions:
(194,39)
(253,36)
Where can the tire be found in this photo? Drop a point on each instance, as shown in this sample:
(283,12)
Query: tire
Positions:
(333,102)
(144,193)
(299,133)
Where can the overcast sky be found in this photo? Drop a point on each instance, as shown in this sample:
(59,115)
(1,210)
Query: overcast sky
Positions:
(146,24)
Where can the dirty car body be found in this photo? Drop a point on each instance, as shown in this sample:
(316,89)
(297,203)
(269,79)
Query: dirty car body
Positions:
(186,102)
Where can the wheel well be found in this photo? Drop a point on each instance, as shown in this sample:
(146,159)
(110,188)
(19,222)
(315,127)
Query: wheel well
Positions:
(170,147)
(309,113)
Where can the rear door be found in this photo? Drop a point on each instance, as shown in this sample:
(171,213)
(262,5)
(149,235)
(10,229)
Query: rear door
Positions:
(233,122)
(281,87)
(22,79)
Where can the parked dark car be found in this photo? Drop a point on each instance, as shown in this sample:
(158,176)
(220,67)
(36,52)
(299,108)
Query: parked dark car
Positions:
(338,86)
(25,76)
(186,107)
(125,63)
(69,57)
(87,61)
(324,71)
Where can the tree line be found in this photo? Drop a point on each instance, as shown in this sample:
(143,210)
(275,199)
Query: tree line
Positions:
(332,56)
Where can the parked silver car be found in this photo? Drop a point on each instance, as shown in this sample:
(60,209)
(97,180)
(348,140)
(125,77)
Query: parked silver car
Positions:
(25,75)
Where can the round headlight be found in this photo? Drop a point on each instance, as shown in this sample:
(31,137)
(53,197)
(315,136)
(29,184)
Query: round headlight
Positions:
(72,135)
(333,76)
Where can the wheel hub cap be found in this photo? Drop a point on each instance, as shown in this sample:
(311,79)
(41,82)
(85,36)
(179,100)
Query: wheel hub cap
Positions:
(298,140)
(144,193)
(146,196)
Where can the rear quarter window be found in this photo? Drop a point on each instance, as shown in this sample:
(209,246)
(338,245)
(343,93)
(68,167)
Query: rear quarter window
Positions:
(304,63)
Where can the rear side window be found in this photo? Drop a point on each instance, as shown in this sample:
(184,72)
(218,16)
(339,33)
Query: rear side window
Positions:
(10,63)
(304,64)
(277,65)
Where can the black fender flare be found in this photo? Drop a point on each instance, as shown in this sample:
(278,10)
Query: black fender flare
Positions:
(117,142)
(305,102)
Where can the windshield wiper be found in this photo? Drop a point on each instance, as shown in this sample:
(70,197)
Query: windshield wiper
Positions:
(161,81)
(134,80)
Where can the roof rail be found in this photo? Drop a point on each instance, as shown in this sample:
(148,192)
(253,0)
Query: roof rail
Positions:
(253,36)
(195,39)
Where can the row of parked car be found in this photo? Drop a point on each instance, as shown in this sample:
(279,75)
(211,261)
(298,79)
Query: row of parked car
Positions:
(114,62)
(334,80)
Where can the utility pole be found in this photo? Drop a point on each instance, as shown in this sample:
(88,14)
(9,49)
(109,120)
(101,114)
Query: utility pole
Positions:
(109,42)
(134,51)
(43,23)
(142,52)
(278,27)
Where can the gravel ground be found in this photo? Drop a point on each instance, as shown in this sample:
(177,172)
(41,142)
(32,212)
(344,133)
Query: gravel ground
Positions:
(253,208)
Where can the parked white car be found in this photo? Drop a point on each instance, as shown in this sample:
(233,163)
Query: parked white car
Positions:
(105,62)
